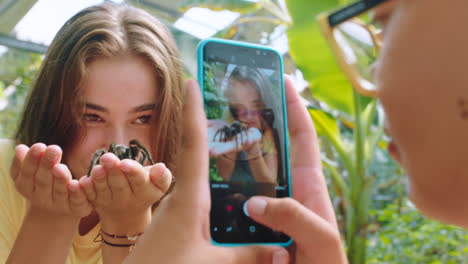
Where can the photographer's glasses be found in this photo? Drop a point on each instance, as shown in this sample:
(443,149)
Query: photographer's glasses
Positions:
(354,42)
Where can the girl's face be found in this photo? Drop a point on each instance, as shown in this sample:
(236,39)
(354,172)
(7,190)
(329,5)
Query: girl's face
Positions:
(245,99)
(119,98)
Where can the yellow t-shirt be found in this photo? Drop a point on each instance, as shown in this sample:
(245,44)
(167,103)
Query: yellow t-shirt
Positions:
(13,209)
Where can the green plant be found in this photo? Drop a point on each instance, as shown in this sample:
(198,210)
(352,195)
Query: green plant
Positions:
(405,236)
(215,104)
(18,70)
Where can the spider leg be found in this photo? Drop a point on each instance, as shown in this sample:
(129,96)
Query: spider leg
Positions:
(219,133)
(113,149)
(142,148)
(136,154)
(95,160)
(125,154)
(224,135)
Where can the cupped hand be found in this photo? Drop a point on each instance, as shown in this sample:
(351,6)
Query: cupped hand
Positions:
(46,183)
(123,192)
(308,218)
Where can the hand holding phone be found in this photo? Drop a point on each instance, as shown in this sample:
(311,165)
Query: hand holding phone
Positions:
(181,222)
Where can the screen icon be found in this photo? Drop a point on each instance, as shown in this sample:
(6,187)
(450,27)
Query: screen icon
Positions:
(252,229)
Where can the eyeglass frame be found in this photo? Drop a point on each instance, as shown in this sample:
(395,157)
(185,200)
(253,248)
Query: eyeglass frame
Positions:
(328,21)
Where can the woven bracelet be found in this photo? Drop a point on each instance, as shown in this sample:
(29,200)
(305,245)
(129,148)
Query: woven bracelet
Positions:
(129,238)
(117,245)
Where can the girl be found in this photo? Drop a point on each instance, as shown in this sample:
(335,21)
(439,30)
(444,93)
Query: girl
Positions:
(112,74)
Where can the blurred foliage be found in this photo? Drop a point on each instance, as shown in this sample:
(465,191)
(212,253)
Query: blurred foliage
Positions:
(243,6)
(313,56)
(17,72)
(215,104)
(403,235)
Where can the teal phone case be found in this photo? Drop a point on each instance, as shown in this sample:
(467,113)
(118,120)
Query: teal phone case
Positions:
(200,55)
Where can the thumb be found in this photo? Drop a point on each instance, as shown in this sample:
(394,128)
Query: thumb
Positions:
(191,170)
(20,153)
(292,218)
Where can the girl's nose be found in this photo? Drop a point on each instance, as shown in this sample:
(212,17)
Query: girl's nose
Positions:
(119,135)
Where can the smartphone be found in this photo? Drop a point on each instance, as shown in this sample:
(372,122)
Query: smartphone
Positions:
(244,99)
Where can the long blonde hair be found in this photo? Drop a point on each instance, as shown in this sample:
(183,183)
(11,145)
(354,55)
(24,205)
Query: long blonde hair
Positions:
(53,110)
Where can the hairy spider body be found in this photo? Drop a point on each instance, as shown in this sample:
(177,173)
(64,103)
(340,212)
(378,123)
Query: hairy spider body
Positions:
(135,151)
(227,133)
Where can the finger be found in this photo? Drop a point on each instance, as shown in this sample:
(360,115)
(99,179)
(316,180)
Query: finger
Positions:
(44,178)
(62,177)
(304,145)
(20,153)
(116,180)
(79,205)
(25,179)
(161,177)
(290,217)
(192,160)
(136,174)
(86,184)
(256,254)
(309,186)
(99,177)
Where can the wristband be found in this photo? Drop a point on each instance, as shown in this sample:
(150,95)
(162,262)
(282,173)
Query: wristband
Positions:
(129,238)
(117,245)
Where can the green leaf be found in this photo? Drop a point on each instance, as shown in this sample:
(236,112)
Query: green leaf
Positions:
(313,56)
(327,123)
(327,127)
(2,87)
(368,115)
(334,90)
(385,240)
(338,182)
(241,6)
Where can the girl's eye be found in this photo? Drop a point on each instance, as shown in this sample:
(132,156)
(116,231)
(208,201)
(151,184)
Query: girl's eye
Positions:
(92,118)
(145,119)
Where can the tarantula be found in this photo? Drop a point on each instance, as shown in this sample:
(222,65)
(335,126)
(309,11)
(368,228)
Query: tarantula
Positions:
(231,131)
(135,151)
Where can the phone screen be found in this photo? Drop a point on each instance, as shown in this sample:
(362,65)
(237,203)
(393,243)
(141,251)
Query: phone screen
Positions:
(244,103)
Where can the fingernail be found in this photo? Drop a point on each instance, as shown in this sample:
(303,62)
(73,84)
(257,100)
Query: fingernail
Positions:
(98,172)
(280,257)
(126,165)
(55,173)
(108,160)
(51,156)
(36,153)
(257,206)
(73,188)
(244,208)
